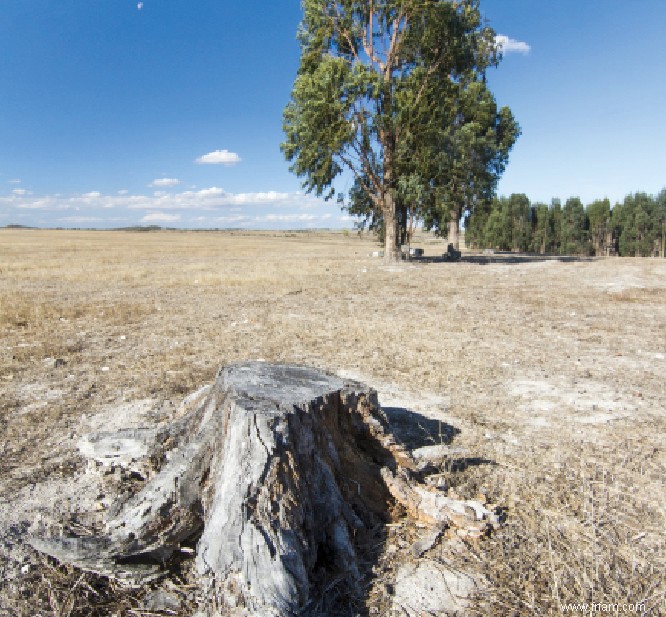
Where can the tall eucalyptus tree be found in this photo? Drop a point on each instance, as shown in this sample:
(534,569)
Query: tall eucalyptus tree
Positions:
(383,90)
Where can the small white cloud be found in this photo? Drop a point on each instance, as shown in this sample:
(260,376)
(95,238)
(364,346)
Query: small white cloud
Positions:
(283,218)
(507,45)
(213,191)
(139,6)
(165,182)
(123,192)
(160,217)
(20,192)
(92,195)
(219,157)
(15,181)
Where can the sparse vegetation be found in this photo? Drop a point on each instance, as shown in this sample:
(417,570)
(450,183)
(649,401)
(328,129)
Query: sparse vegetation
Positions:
(550,373)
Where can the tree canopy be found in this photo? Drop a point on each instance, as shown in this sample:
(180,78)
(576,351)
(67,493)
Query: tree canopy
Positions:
(635,227)
(394,91)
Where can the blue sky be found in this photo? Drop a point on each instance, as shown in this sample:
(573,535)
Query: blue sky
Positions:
(169,112)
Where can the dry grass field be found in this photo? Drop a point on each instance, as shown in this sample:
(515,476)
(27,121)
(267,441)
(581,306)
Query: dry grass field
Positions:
(550,373)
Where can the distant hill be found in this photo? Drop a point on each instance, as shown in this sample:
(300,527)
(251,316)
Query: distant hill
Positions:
(139,228)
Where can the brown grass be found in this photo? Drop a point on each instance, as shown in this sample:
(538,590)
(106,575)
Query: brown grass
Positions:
(526,356)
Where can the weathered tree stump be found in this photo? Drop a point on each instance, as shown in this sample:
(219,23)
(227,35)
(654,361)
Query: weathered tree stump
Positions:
(277,472)
(278,469)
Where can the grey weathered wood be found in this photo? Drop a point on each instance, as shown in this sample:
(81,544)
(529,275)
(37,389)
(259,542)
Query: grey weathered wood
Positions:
(277,472)
(277,469)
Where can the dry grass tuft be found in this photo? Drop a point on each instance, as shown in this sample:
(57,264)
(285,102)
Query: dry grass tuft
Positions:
(581,533)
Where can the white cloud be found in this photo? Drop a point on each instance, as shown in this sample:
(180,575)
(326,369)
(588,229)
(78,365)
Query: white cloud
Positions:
(123,192)
(253,198)
(219,157)
(206,207)
(508,45)
(213,191)
(165,182)
(15,181)
(160,217)
(283,218)
(211,198)
(139,6)
(52,204)
(230,220)
(79,220)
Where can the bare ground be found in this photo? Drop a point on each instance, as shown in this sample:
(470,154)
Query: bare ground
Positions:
(550,375)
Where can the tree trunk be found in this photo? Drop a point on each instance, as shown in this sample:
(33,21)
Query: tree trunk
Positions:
(390,203)
(454,233)
(391,234)
(277,469)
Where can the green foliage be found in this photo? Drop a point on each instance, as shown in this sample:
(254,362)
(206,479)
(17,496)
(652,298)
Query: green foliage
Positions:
(640,227)
(636,227)
(599,216)
(575,229)
(394,92)
(504,224)
(543,229)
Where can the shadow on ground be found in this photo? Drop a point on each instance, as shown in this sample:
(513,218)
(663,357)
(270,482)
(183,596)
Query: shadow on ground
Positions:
(415,430)
(508,259)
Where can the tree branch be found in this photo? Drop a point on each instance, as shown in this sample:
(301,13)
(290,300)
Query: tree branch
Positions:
(396,42)
(366,165)
(368,40)
(370,190)
(345,33)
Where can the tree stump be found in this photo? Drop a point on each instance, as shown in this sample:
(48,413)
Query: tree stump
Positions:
(277,469)
(276,472)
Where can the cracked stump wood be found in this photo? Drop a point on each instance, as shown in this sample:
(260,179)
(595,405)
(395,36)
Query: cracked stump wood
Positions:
(279,473)
(278,469)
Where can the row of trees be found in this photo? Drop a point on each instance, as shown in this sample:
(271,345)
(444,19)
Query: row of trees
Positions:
(635,227)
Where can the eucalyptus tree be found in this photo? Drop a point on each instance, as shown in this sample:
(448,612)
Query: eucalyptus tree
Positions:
(498,233)
(639,225)
(575,228)
(469,158)
(555,214)
(378,92)
(543,232)
(601,236)
(661,221)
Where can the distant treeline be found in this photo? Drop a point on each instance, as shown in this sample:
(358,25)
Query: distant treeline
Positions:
(636,227)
